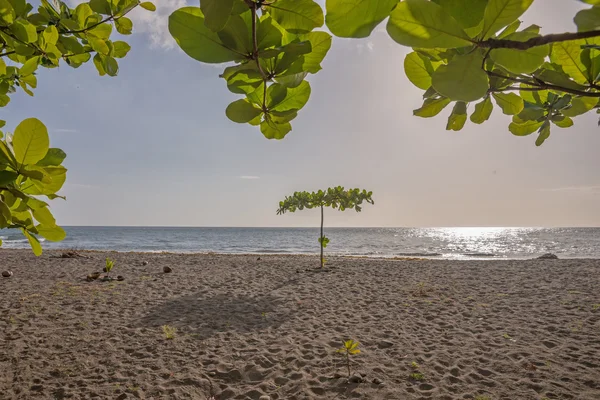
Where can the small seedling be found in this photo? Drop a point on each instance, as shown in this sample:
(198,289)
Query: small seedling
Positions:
(414,365)
(350,348)
(169,332)
(506,336)
(595,307)
(483,398)
(417,376)
(109,266)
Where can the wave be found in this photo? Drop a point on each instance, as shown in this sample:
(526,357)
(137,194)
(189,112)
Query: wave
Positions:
(479,254)
(419,254)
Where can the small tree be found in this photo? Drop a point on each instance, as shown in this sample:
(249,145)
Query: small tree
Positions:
(336,198)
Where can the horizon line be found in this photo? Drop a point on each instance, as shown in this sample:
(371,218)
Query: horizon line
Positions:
(336,227)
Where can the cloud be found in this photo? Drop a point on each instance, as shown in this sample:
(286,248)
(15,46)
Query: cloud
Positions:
(575,189)
(154,24)
(249,177)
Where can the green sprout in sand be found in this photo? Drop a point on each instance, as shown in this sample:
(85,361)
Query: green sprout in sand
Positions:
(336,198)
(350,348)
(109,266)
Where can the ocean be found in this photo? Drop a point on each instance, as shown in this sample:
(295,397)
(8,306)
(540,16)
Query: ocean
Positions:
(443,243)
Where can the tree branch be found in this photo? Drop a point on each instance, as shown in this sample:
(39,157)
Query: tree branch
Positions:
(7,53)
(256,58)
(536,41)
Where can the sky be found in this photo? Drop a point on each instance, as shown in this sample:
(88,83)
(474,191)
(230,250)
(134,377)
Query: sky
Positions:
(153,147)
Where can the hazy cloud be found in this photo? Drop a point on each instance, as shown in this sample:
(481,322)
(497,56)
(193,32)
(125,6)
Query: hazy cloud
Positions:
(249,177)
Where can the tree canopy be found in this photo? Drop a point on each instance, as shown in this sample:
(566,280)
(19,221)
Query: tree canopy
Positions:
(30,170)
(470,54)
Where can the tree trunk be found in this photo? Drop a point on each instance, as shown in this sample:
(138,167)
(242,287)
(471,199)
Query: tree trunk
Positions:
(322,237)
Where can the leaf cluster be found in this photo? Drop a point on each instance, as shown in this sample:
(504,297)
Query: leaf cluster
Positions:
(29,39)
(54,32)
(475,50)
(30,170)
(109,265)
(350,347)
(336,198)
(465,52)
(273,46)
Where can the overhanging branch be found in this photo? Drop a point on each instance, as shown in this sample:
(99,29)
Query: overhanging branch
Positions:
(536,41)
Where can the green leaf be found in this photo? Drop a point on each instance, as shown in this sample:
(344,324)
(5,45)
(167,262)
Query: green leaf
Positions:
(297,16)
(538,97)
(124,25)
(7,12)
(216,13)
(568,56)
(24,31)
(58,175)
(267,34)
(272,130)
(54,156)
(462,79)
(422,23)
(320,43)
(102,31)
(418,69)
(510,103)
(44,216)
(2,67)
(588,20)
(432,107)
(7,177)
(100,6)
(356,18)
(468,13)
(483,110)
(36,173)
(111,66)
(33,242)
(521,61)
(458,117)
(544,133)
(275,95)
(186,25)
(580,105)
(50,34)
(146,5)
(120,49)
(30,66)
(524,129)
(562,121)
(558,78)
(52,233)
(242,111)
(99,64)
(295,98)
(236,35)
(501,13)
(30,141)
(99,45)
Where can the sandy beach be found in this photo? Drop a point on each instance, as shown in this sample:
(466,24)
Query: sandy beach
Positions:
(246,328)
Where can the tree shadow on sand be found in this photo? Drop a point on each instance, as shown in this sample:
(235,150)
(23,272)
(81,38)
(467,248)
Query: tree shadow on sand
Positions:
(204,316)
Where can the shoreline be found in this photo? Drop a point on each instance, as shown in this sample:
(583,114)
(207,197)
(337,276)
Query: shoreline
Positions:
(290,254)
(242,328)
